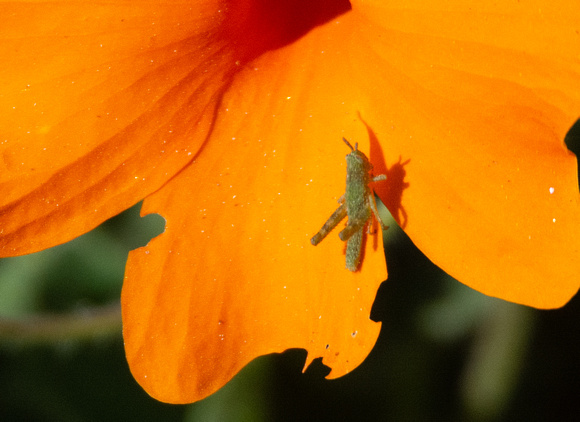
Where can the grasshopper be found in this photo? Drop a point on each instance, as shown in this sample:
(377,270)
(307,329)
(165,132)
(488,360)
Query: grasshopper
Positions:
(357,203)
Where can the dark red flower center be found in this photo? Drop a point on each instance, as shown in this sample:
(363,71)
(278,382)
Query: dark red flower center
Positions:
(256,26)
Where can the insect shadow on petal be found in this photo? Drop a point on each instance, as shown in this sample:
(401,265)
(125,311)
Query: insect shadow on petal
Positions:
(357,203)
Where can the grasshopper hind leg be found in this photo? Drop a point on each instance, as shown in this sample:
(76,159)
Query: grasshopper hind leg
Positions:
(336,217)
(353,250)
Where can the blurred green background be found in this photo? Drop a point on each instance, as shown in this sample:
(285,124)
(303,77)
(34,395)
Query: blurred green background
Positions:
(445,353)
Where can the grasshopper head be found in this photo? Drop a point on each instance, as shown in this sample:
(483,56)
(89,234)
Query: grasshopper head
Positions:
(356,160)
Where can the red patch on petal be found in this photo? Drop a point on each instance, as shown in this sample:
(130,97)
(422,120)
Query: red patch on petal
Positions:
(256,26)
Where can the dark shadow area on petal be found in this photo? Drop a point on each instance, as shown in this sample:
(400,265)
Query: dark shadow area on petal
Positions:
(391,191)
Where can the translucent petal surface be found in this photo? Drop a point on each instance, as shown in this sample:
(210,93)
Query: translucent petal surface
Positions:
(479,98)
(234,276)
(463,104)
(469,187)
(101,104)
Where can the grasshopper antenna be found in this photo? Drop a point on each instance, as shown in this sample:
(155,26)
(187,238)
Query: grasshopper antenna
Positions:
(350,146)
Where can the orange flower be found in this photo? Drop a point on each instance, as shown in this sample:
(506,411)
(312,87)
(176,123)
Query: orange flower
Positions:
(227,117)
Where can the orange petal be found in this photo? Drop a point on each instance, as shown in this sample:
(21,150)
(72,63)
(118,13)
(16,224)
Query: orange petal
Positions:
(195,311)
(479,99)
(234,276)
(475,100)
(101,104)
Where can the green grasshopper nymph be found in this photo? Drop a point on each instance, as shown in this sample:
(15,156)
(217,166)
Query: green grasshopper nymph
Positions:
(357,203)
